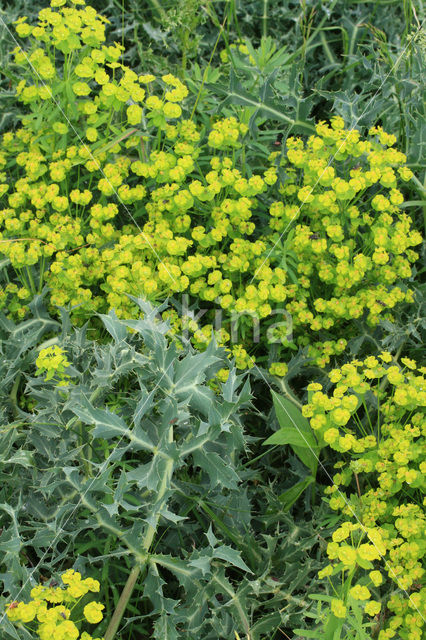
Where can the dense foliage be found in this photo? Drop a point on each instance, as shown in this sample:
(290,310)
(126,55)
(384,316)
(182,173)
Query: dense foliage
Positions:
(211,320)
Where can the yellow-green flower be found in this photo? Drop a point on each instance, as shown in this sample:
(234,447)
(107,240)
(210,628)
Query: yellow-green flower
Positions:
(327,571)
(338,608)
(51,360)
(358,592)
(347,555)
(81,88)
(372,607)
(376,578)
(60,127)
(134,114)
(93,612)
(278,369)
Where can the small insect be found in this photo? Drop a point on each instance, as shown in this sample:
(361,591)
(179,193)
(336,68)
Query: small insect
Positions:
(314,236)
(12,605)
(278,141)
(53,583)
(383,304)
(173,421)
(62,614)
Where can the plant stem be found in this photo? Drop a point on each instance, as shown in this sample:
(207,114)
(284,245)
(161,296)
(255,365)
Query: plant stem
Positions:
(157,6)
(14,396)
(265,19)
(31,281)
(357,485)
(222,26)
(288,394)
(40,283)
(252,460)
(122,603)
(146,545)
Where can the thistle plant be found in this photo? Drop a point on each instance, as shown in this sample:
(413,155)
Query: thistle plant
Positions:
(131,471)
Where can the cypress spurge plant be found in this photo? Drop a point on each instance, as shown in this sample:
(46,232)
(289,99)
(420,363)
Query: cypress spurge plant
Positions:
(113,187)
(375,421)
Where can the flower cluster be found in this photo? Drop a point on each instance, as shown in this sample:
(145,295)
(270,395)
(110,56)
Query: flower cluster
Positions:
(50,609)
(377,414)
(350,237)
(52,362)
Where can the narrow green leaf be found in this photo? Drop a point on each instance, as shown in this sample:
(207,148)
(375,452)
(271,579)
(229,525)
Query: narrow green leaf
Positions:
(289,435)
(289,497)
(304,633)
(413,203)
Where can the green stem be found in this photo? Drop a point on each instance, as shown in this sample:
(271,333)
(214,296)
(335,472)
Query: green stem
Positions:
(85,451)
(233,11)
(424,206)
(227,588)
(31,281)
(421,190)
(122,603)
(184,52)
(146,545)
(42,265)
(109,123)
(265,19)
(207,68)
(327,49)
(14,395)
(253,460)
(159,139)
(288,394)
(303,47)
